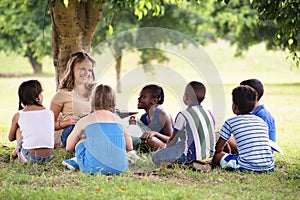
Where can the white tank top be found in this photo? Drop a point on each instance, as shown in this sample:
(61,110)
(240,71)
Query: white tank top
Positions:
(37,128)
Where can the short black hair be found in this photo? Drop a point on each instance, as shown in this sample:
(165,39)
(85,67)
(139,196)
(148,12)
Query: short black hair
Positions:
(256,85)
(195,91)
(244,97)
(156,92)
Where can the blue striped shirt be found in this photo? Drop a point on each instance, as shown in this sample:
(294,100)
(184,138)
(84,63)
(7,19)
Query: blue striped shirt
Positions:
(251,135)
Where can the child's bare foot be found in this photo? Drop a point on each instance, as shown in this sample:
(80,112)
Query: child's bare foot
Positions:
(14,155)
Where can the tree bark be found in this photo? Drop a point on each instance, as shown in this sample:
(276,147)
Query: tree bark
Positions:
(118,73)
(73,29)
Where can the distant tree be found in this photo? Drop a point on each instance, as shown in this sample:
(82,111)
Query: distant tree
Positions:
(25,29)
(276,22)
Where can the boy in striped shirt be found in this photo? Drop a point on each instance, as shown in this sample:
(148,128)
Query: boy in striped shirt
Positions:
(250,133)
(193,135)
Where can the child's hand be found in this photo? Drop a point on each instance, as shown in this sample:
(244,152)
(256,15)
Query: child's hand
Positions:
(148,135)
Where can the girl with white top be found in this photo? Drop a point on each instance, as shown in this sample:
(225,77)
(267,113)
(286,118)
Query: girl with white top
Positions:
(32,126)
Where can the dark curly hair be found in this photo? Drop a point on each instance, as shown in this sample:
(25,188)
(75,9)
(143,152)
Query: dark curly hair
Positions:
(195,91)
(256,85)
(244,97)
(156,92)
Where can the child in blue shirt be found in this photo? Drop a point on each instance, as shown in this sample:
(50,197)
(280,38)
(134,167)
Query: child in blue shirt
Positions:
(259,109)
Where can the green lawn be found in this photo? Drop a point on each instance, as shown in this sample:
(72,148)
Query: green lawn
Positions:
(146,181)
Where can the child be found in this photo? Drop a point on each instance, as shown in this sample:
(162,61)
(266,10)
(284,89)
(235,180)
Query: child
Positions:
(250,133)
(158,122)
(32,126)
(193,137)
(98,140)
(260,110)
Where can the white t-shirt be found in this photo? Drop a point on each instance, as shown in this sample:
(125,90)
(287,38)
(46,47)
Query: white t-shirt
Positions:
(37,128)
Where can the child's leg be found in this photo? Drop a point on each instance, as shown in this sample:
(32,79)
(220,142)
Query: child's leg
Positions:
(216,159)
(170,153)
(156,143)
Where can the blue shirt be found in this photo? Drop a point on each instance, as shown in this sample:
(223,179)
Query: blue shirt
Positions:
(264,114)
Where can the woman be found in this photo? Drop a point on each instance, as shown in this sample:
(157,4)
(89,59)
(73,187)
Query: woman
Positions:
(72,100)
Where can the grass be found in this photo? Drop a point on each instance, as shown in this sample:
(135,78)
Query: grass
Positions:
(144,180)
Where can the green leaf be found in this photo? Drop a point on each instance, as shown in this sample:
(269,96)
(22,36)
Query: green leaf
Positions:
(110,29)
(66,3)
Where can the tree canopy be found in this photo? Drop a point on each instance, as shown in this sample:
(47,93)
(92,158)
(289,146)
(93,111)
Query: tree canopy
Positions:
(25,25)
(277,23)
(25,29)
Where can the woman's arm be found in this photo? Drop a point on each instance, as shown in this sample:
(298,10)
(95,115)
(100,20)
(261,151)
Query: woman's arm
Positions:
(56,109)
(60,124)
(13,128)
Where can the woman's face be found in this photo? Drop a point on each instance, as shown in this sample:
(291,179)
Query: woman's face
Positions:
(145,100)
(83,71)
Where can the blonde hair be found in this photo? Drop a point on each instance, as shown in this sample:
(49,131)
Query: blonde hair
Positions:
(68,80)
(104,98)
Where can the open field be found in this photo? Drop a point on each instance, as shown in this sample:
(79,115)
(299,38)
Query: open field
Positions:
(146,181)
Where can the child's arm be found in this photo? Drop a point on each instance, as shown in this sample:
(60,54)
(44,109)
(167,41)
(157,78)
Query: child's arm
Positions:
(220,145)
(219,153)
(73,139)
(13,128)
(128,141)
(173,139)
(168,122)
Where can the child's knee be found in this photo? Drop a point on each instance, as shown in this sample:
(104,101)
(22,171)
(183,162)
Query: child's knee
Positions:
(216,159)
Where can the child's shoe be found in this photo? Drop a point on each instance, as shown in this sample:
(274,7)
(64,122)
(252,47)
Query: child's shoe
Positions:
(71,163)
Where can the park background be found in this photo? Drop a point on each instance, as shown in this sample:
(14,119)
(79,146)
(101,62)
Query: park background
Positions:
(282,98)
(22,22)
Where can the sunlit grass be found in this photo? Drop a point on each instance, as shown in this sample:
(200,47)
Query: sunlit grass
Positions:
(144,180)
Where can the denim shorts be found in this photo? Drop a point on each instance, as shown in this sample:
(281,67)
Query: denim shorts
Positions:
(25,156)
(65,134)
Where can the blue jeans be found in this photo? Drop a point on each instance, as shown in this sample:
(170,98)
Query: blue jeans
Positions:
(65,134)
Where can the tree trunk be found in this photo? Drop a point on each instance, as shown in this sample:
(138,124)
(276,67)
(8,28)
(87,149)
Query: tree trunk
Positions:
(73,29)
(37,66)
(118,70)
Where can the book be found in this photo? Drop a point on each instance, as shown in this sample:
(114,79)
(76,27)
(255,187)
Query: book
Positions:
(274,146)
